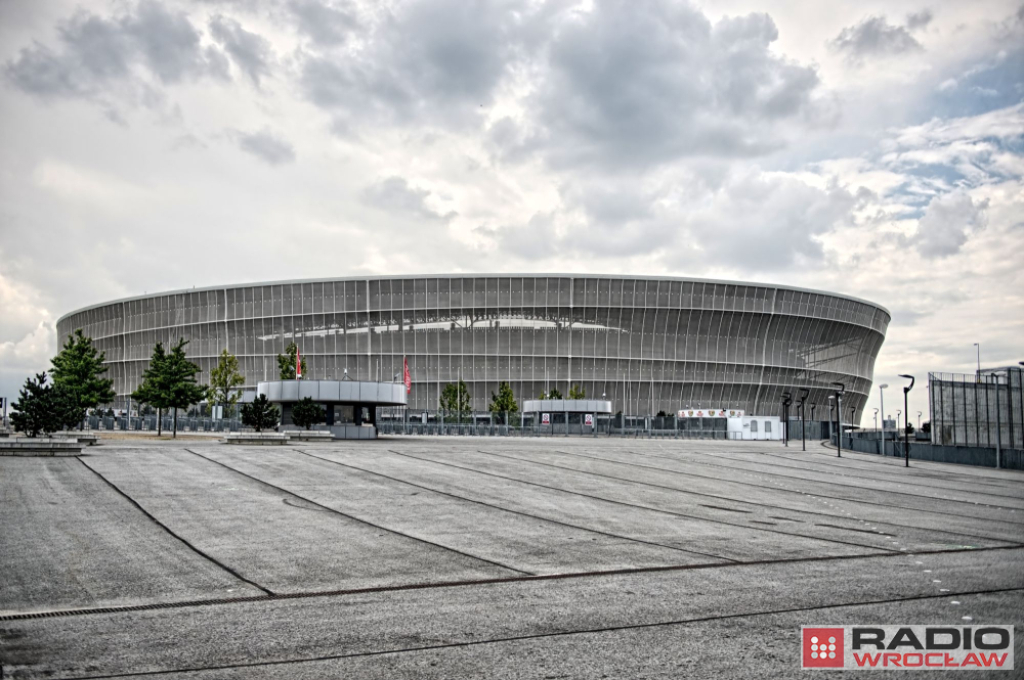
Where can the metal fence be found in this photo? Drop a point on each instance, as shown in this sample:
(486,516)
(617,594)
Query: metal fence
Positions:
(483,423)
(984,409)
(149,424)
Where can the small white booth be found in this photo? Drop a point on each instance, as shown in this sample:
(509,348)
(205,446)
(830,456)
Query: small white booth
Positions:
(739,425)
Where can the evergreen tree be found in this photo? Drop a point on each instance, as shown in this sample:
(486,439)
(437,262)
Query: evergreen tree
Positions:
(286,362)
(224,381)
(77,369)
(260,414)
(554,394)
(455,399)
(307,413)
(45,408)
(152,391)
(179,380)
(577,392)
(503,403)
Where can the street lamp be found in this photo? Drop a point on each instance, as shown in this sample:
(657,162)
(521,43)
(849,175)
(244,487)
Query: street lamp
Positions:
(803,421)
(881,403)
(906,412)
(787,399)
(977,377)
(919,420)
(839,418)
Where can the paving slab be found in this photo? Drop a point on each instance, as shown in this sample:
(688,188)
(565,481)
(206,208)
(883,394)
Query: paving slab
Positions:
(68,540)
(528,544)
(290,630)
(273,538)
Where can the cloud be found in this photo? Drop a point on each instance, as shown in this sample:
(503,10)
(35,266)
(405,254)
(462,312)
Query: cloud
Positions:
(630,86)
(325,24)
(266,146)
(434,62)
(948,222)
(251,52)
(876,37)
(920,19)
(394,195)
(145,48)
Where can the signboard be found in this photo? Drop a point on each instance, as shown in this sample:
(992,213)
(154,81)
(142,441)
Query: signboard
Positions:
(545,418)
(710,413)
(588,420)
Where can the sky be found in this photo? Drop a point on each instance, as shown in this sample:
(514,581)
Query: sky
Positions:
(869,148)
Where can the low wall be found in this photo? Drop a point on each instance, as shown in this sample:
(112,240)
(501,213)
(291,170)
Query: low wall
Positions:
(962,455)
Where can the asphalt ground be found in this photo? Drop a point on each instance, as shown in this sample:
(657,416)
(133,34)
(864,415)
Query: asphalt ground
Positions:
(487,557)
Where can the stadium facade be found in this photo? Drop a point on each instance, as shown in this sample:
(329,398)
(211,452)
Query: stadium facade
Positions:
(647,344)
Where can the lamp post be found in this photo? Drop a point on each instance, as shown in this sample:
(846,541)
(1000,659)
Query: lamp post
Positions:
(803,421)
(876,422)
(881,403)
(977,377)
(839,418)
(787,399)
(919,420)
(814,406)
(906,413)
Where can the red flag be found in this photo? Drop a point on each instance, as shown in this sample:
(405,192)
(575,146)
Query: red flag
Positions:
(408,378)
(298,364)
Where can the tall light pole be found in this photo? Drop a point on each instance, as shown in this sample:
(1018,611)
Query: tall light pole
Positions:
(839,418)
(881,400)
(876,422)
(787,399)
(978,376)
(803,421)
(906,412)
(919,420)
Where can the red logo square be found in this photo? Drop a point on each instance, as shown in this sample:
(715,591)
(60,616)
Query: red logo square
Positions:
(823,647)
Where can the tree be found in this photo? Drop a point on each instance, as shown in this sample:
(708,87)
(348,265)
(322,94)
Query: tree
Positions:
(455,399)
(307,413)
(224,379)
(503,403)
(260,414)
(926,427)
(286,362)
(909,429)
(554,394)
(45,408)
(151,391)
(77,369)
(576,392)
(180,385)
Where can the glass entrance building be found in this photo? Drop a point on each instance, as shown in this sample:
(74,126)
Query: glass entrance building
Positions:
(647,344)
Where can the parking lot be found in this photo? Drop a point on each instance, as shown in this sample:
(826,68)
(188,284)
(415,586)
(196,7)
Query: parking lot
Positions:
(486,557)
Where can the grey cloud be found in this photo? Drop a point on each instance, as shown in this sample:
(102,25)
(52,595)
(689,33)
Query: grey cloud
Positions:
(250,51)
(267,147)
(948,221)
(393,194)
(326,24)
(874,37)
(920,19)
(437,61)
(634,85)
(97,53)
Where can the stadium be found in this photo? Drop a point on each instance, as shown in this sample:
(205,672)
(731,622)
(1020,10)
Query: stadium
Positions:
(647,344)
